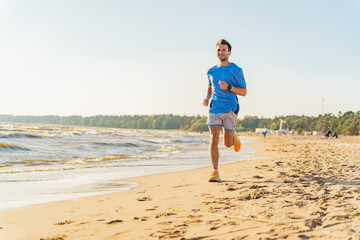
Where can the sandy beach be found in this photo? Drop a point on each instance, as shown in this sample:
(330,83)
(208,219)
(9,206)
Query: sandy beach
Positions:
(301,188)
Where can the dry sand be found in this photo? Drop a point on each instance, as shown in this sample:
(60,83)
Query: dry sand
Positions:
(306,188)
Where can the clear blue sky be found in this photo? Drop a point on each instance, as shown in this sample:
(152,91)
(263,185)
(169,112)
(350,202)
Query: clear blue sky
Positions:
(151,57)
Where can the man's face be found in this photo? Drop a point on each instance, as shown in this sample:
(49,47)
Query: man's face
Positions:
(223,52)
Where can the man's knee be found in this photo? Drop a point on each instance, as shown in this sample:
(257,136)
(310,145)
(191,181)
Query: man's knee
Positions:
(228,139)
(228,144)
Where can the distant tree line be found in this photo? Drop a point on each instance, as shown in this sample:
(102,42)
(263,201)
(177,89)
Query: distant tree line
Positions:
(347,123)
(164,121)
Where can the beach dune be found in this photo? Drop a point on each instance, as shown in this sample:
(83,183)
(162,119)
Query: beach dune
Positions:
(300,188)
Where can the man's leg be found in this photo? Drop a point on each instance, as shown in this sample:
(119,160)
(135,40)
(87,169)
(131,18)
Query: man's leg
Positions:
(230,136)
(214,146)
(232,140)
(229,139)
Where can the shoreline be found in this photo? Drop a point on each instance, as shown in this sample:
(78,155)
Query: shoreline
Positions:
(109,183)
(285,195)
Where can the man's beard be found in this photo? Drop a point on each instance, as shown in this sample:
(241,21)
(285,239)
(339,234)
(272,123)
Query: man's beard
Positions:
(223,58)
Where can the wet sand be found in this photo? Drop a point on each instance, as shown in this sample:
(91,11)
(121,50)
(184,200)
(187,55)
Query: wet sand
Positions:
(304,188)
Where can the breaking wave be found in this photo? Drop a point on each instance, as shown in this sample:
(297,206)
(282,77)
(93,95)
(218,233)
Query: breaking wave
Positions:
(18,135)
(5,146)
(128,144)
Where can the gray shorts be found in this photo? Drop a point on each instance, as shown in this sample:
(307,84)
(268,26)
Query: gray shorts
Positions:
(226,120)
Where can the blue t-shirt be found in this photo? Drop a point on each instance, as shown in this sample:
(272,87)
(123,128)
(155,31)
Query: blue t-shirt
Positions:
(224,100)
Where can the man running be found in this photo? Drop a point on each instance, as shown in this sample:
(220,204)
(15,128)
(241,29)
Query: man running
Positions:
(226,81)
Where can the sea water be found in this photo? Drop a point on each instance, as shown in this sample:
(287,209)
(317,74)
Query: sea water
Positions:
(47,163)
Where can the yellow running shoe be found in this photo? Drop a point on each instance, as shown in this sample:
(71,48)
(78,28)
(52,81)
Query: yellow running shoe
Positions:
(237,145)
(214,177)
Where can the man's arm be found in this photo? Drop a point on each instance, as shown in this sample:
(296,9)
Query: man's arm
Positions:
(208,96)
(237,91)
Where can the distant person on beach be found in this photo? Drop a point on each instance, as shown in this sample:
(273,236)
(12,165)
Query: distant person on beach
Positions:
(226,81)
(264,133)
(330,134)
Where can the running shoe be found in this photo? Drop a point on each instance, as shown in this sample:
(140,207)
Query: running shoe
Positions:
(237,145)
(214,177)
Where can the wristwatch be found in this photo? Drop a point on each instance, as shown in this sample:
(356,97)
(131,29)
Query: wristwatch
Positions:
(229,87)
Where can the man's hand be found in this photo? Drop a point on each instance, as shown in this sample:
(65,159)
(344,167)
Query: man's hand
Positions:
(223,85)
(206,102)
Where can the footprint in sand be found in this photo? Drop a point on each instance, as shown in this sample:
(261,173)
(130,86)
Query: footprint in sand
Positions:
(166,214)
(141,218)
(141,199)
(302,236)
(313,223)
(185,185)
(82,223)
(258,177)
(64,222)
(115,221)
(165,223)
(59,237)
(168,234)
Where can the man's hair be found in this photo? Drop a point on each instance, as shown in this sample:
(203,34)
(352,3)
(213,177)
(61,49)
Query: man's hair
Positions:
(223,41)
